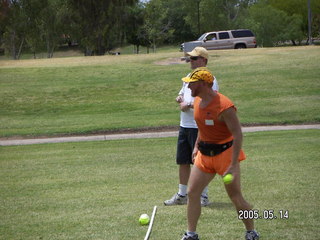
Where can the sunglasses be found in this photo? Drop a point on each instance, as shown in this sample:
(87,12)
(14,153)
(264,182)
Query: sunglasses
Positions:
(195,58)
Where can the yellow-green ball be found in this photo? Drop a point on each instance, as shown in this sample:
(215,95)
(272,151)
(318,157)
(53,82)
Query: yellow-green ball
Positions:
(228,178)
(144,219)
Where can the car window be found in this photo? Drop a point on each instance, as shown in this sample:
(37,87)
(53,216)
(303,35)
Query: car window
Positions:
(202,37)
(212,36)
(242,33)
(224,35)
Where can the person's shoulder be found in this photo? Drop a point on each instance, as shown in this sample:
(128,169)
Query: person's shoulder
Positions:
(224,99)
(221,95)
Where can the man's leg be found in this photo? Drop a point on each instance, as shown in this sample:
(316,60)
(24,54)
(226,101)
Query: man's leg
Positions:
(234,191)
(192,138)
(197,182)
(184,173)
(183,159)
(235,194)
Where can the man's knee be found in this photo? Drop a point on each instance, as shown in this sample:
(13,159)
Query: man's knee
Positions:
(194,193)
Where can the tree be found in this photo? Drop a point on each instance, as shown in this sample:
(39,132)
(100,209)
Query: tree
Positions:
(35,22)
(134,30)
(98,26)
(14,28)
(50,24)
(4,17)
(45,24)
(157,25)
(215,15)
(299,9)
(180,30)
(193,15)
(163,21)
(96,23)
(273,25)
(33,35)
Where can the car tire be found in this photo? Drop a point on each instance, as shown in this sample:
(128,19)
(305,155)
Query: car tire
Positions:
(240,46)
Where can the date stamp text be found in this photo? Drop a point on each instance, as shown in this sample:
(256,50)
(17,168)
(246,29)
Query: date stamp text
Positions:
(267,214)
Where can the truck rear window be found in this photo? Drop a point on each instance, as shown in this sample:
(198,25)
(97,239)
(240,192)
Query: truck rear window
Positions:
(242,33)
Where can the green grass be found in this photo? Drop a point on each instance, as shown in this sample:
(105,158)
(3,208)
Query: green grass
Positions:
(75,51)
(97,190)
(90,94)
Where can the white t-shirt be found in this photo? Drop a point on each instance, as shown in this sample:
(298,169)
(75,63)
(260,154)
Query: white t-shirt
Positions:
(186,118)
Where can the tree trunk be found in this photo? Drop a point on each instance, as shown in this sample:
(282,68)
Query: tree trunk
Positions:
(88,52)
(51,51)
(48,47)
(100,48)
(13,45)
(20,49)
(154,45)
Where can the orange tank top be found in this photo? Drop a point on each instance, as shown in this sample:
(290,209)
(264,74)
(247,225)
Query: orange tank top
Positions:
(210,128)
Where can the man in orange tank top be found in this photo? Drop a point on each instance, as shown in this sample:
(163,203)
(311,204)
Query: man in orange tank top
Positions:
(217,150)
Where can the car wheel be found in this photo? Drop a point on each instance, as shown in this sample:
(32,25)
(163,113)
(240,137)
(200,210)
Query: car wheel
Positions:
(240,45)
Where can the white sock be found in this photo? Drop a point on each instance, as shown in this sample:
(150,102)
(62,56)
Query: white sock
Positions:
(205,192)
(182,190)
(191,234)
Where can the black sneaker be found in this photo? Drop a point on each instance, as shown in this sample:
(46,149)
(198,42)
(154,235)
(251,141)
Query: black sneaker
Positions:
(186,237)
(252,235)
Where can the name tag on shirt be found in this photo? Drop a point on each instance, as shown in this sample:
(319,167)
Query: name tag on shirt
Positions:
(209,122)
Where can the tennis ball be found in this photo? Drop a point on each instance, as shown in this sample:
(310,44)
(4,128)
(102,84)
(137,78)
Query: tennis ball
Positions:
(228,178)
(144,219)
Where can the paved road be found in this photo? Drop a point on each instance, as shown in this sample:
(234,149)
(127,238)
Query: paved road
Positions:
(11,142)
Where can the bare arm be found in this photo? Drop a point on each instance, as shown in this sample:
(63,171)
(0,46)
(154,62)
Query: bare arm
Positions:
(229,116)
(195,149)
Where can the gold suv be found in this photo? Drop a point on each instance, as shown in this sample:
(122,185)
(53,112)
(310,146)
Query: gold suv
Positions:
(230,39)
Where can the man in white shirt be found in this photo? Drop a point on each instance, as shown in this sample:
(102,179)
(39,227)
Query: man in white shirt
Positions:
(188,132)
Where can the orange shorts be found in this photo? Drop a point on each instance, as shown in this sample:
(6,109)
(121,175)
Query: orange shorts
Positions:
(216,164)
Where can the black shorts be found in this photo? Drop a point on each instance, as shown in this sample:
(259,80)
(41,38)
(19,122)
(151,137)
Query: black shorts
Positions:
(186,141)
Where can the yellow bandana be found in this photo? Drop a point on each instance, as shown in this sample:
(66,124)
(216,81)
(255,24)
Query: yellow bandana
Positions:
(200,74)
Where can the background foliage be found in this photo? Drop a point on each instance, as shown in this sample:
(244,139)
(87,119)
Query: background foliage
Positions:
(99,26)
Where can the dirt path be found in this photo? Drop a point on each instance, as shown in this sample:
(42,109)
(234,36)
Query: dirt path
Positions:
(106,137)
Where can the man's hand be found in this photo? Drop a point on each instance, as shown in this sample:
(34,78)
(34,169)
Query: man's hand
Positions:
(179,99)
(194,153)
(184,106)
